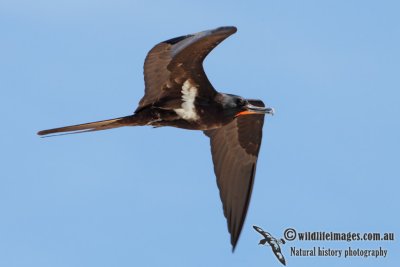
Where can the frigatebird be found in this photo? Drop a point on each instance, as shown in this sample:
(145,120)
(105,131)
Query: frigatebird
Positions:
(273,242)
(179,94)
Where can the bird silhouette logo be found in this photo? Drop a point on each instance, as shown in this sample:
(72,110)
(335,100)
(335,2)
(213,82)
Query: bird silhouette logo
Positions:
(273,242)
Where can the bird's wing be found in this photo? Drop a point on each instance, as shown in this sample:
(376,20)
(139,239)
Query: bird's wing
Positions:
(261,231)
(170,63)
(278,253)
(234,149)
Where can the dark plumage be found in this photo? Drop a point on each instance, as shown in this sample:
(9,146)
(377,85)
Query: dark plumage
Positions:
(179,94)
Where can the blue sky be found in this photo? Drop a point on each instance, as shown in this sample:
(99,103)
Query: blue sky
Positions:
(147,197)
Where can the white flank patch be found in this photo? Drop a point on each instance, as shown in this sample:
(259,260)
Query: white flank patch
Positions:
(188,110)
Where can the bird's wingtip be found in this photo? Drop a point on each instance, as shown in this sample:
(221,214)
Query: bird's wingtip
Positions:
(226,29)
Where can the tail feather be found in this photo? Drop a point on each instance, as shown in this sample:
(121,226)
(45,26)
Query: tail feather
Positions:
(92,126)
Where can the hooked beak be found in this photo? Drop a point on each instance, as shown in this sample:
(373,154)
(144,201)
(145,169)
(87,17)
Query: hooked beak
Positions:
(251,109)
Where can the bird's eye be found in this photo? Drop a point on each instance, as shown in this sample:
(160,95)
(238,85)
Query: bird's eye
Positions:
(240,102)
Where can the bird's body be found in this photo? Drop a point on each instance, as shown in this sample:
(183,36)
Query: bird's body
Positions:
(178,94)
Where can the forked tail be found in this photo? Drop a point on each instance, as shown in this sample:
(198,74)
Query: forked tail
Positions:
(92,126)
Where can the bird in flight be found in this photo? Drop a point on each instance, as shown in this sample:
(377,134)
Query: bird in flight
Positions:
(273,242)
(179,94)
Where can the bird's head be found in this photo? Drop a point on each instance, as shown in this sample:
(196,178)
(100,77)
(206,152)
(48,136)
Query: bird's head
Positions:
(235,106)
